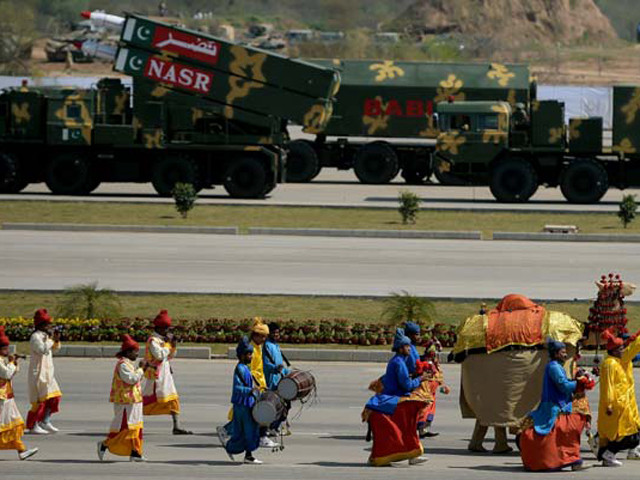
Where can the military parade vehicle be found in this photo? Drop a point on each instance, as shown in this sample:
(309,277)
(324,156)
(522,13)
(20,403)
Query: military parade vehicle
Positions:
(516,151)
(201,110)
(383,119)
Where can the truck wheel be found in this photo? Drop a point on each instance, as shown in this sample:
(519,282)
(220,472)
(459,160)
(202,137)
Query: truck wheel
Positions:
(584,181)
(68,174)
(174,169)
(302,162)
(376,163)
(513,180)
(246,178)
(11,181)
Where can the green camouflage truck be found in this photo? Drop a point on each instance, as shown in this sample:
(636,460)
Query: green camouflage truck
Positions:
(383,120)
(201,110)
(514,152)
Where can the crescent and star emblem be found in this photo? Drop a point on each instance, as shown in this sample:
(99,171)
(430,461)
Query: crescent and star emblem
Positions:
(143,33)
(135,63)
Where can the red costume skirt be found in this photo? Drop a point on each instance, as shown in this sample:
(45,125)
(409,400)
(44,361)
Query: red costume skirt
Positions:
(395,437)
(428,413)
(559,449)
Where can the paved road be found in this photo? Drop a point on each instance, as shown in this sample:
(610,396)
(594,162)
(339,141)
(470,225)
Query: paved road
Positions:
(309,265)
(340,188)
(327,442)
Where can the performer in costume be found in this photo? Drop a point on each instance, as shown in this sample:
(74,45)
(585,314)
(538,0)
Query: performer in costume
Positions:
(553,441)
(246,432)
(412,330)
(274,365)
(160,396)
(618,419)
(393,414)
(430,365)
(125,434)
(44,392)
(11,423)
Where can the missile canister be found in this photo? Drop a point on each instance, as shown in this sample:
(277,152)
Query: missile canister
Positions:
(212,53)
(397,99)
(105,20)
(96,49)
(224,88)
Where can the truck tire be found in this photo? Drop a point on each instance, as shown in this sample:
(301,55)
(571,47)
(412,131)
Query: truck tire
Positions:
(11,180)
(513,180)
(376,163)
(302,162)
(585,180)
(174,169)
(69,174)
(246,178)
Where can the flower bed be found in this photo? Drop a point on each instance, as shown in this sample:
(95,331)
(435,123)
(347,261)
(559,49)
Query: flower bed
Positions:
(224,330)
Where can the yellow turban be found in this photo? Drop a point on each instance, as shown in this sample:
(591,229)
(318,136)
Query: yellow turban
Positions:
(260,327)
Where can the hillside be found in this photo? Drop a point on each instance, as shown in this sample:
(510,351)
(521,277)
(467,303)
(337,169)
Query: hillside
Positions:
(510,23)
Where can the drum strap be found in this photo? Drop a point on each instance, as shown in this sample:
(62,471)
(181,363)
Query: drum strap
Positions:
(270,358)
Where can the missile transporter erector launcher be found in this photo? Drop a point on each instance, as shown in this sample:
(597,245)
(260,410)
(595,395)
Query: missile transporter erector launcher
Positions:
(201,110)
(515,152)
(383,120)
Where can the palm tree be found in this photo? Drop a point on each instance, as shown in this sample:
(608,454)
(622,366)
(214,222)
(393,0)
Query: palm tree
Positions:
(402,307)
(89,301)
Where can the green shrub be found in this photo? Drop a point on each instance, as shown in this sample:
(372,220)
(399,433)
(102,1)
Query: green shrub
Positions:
(185,196)
(88,301)
(627,211)
(409,206)
(403,307)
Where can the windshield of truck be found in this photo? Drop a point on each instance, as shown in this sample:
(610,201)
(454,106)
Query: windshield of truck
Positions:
(488,122)
(460,122)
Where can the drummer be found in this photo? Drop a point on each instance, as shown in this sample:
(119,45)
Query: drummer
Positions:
(259,334)
(274,365)
(246,432)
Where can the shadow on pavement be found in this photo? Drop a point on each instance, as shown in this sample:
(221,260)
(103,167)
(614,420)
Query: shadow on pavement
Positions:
(75,461)
(337,464)
(429,450)
(213,463)
(512,467)
(88,434)
(191,445)
(476,201)
(359,438)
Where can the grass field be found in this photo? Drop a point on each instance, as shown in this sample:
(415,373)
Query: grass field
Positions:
(272,307)
(301,217)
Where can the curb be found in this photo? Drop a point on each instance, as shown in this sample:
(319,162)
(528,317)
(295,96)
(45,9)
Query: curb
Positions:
(567,237)
(330,232)
(98,351)
(79,227)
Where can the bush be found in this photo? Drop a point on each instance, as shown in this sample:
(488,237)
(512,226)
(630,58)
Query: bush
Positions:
(88,301)
(402,307)
(409,206)
(185,196)
(628,207)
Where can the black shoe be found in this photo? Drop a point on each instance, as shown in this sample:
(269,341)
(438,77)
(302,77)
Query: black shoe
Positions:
(180,431)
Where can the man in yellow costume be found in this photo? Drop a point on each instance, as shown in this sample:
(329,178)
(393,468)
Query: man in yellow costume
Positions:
(618,419)
(259,334)
(159,390)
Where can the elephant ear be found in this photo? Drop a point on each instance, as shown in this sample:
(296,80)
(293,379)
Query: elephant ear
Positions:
(600,286)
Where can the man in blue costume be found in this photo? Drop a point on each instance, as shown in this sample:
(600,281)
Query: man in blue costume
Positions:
(553,442)
(274,365)
(412,330)
(393,414)
(246,432)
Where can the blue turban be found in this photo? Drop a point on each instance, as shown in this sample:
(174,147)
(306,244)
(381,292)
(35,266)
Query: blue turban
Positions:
(244,346)
(411,328)
(554,346)
(400,340)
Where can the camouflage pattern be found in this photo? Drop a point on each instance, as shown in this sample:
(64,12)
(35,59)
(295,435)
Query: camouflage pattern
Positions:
(214,54)
(626,120)
(225,89)
(547,125)
(383,98)
(585,135)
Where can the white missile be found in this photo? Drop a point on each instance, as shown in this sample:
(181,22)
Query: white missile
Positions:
(96,49)
(105,20)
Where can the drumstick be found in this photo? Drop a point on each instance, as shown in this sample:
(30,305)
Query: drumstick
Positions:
(286,360)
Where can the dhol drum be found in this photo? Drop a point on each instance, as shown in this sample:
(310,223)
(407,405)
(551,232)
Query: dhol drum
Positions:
(297,385)
(268,409)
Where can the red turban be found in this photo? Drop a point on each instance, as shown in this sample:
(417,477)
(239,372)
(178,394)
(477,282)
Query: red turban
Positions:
(162,319)
(129,343)
(4,340)
(613,342)
(41,317)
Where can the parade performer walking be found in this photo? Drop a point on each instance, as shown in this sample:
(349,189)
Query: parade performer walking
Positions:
(618,418)
(393,414)
(274,364)
(159,392)
(430,365)
(245,436)
(553,441)
(44,392)
(11,422)
(412,330)
(125,434)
